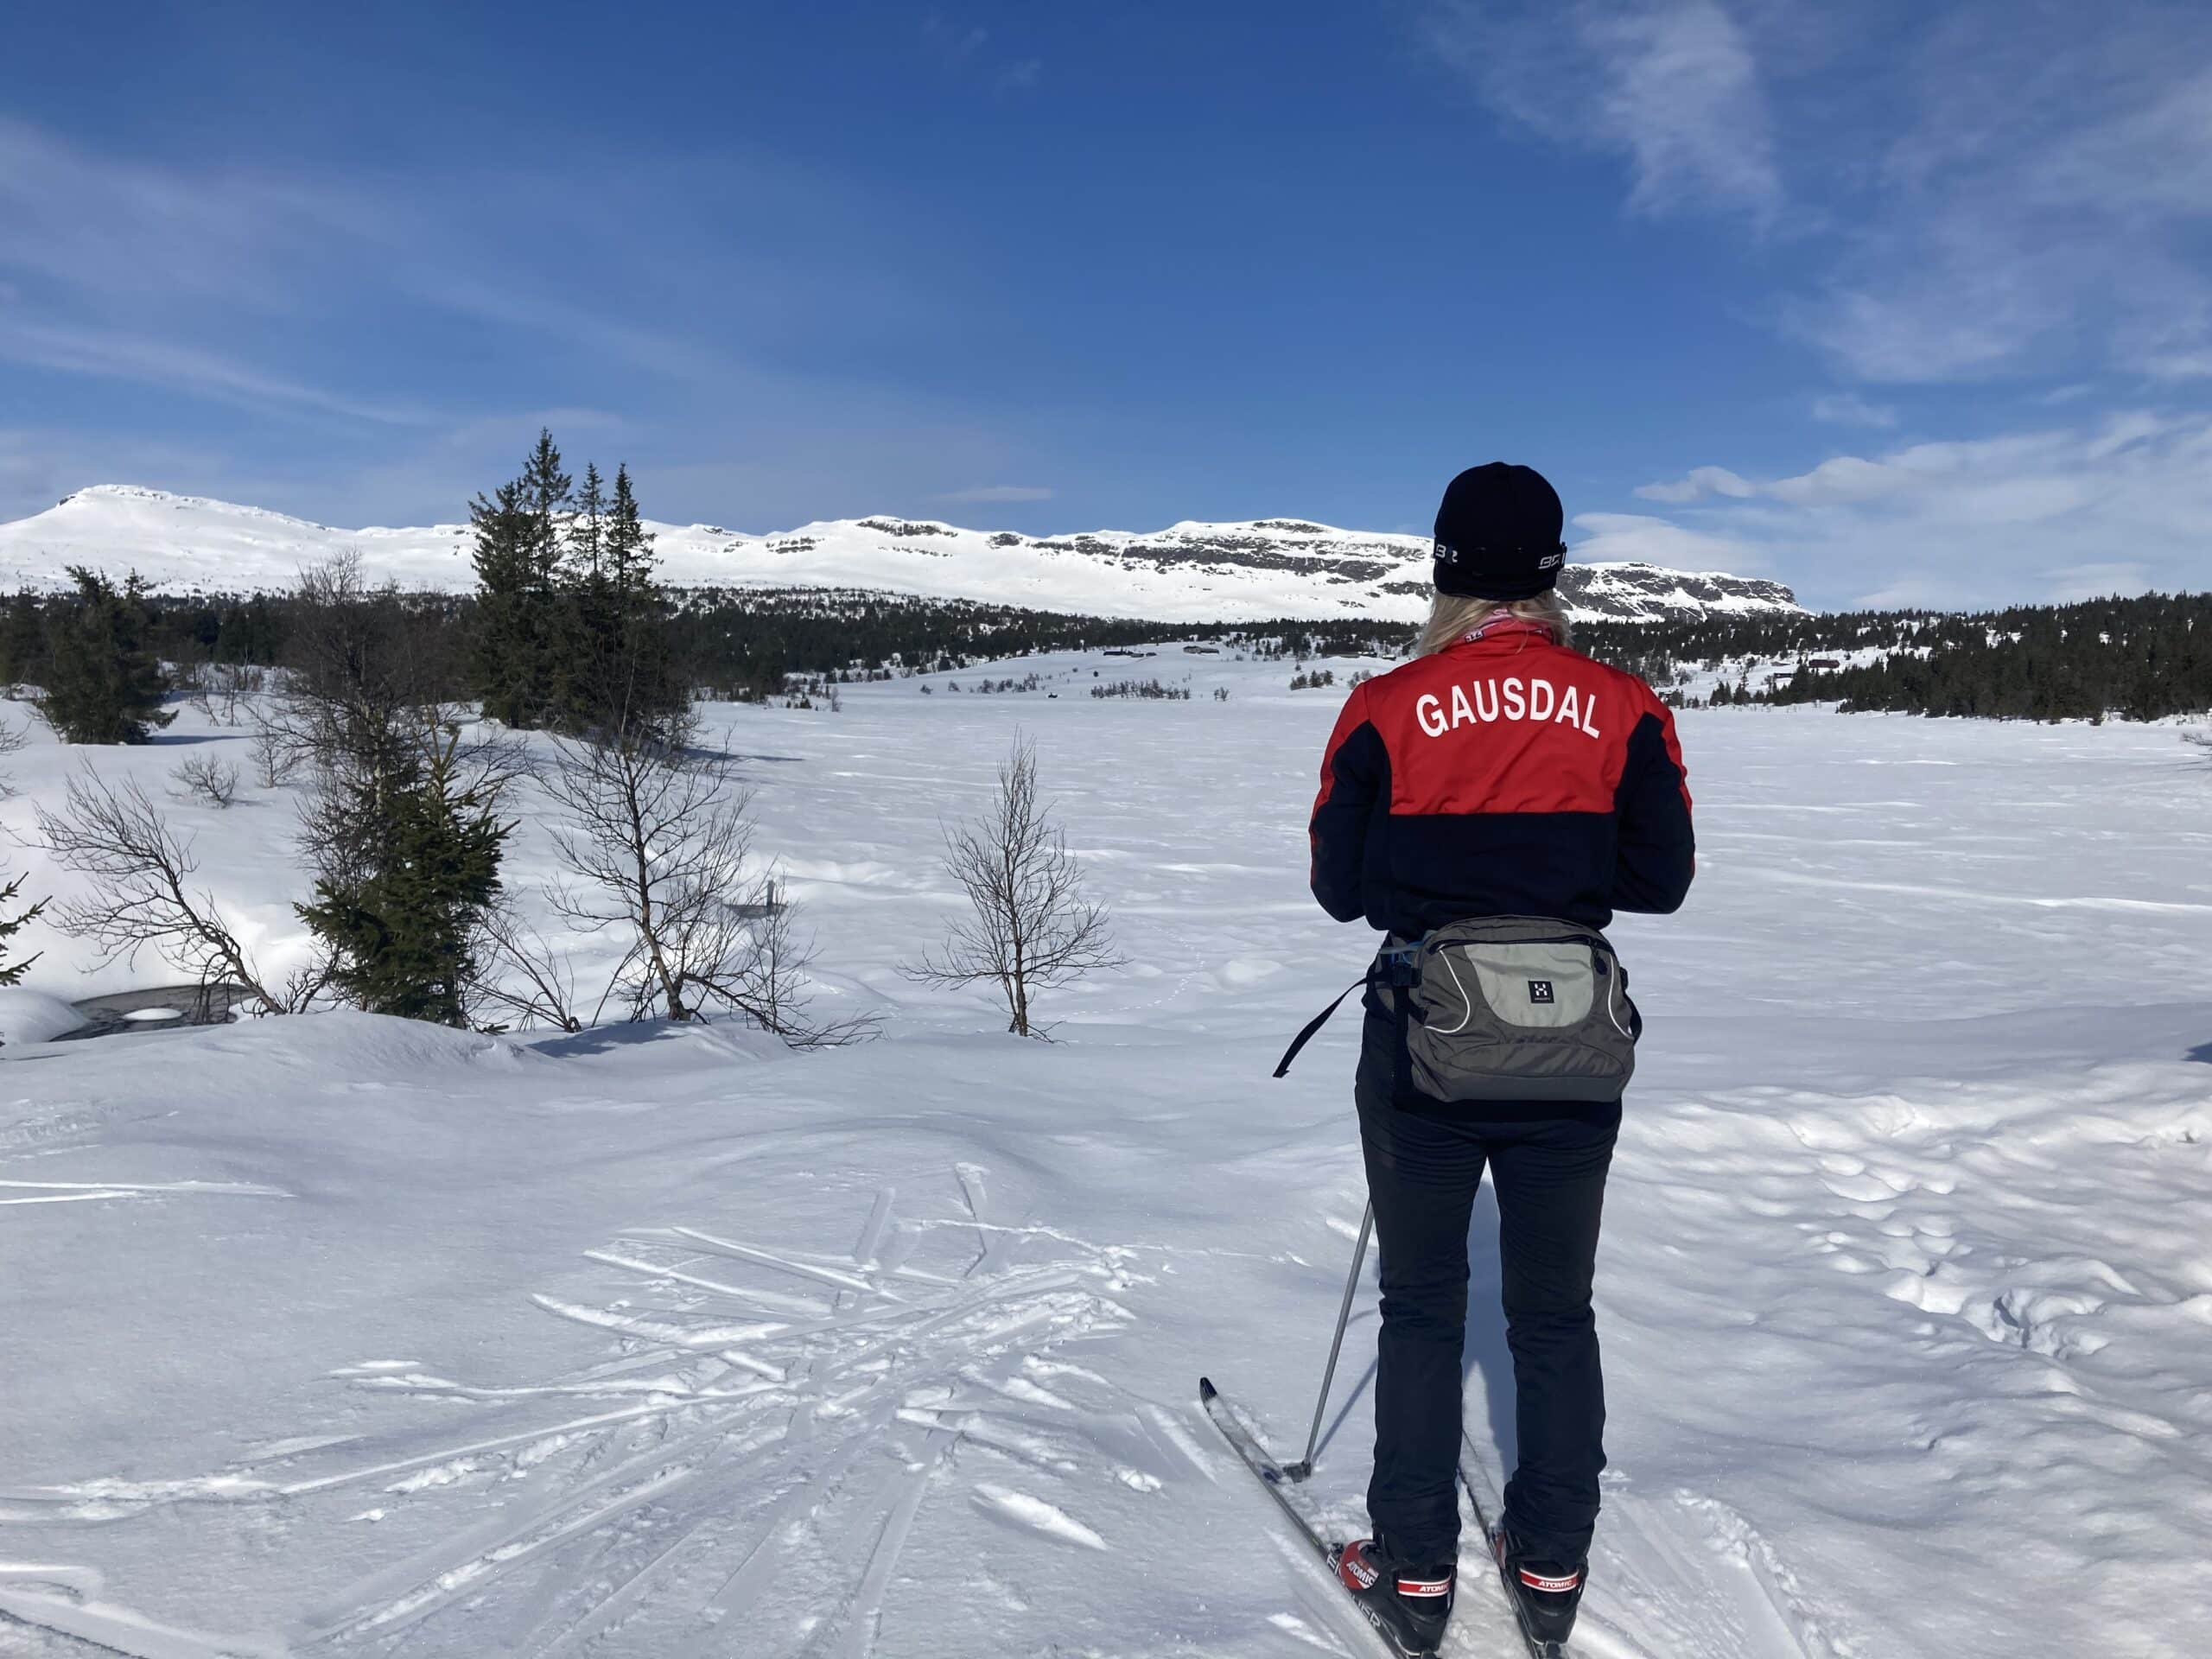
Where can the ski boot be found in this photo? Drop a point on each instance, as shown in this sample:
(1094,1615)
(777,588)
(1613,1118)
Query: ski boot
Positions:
(1545,1591)
(1409,1605)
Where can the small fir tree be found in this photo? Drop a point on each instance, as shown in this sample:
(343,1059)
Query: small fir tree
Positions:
(102,682)
(11,973)
(401,929)
(22,641)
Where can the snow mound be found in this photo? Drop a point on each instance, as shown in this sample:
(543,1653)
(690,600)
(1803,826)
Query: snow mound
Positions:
(28,1016)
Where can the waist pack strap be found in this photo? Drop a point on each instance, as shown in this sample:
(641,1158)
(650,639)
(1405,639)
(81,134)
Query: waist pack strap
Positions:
(1401,1052)
(1395,965)
(1317,1022)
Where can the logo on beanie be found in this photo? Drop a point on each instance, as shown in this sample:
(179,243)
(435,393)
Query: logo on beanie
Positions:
(1551,561)
(1445,553)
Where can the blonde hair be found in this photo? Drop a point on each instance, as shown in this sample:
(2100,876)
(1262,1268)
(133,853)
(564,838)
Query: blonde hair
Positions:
(1454,615)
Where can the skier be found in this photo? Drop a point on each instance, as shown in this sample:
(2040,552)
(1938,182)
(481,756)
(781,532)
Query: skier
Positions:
(1453,788)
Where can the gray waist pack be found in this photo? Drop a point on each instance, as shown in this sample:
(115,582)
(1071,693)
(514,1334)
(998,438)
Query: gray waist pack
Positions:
(1504,1008)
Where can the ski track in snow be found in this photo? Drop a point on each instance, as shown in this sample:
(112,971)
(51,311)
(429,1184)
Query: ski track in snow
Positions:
(353,1338)
(851,1414)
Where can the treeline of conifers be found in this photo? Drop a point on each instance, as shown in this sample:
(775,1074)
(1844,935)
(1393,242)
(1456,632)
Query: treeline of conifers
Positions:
(733,645)
(2141,658)
(568,627)
(2146,657)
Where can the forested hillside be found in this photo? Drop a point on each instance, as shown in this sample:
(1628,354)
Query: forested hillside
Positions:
(2139,658)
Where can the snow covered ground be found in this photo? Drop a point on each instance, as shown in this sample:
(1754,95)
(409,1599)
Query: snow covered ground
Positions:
(341,1335)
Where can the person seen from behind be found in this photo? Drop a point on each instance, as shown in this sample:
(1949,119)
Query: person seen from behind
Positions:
(1489,807)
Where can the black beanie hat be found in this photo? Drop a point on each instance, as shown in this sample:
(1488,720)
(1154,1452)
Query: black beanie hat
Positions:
(1498,534)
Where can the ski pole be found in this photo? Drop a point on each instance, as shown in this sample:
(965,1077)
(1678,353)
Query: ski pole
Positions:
(1304,1466)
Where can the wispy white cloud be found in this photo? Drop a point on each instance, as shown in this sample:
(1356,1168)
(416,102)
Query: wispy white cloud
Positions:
(308,295)
(974,48)
(994,493)
(1673,86)
(1849,409)
(141,272)
(185,368)
(2116,503)
(2180,365)
(1979,189)
(2037,205)
(1630,536)
(82,224)
(1702,480)
(2077,582)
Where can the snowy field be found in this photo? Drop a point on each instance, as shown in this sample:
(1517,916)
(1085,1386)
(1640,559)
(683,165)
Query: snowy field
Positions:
(341,1336)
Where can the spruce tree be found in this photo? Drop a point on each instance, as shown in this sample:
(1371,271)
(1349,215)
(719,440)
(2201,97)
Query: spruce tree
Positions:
(102,682)
(22,641)
(400,930)
(586,527)
(547,493)
(629,544)
(11,973)
(620,667)
(650,686)
(521,634)
(588,612)
(501,653)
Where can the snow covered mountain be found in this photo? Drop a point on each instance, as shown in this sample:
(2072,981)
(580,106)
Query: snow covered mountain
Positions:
(1187,572)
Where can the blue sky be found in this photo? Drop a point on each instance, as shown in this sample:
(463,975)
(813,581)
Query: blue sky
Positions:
(1897,302)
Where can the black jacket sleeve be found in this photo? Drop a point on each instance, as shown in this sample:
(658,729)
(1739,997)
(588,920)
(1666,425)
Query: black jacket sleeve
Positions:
(1656,852)
(1354,776)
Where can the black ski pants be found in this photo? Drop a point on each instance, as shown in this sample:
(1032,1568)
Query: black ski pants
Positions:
(1548,1163)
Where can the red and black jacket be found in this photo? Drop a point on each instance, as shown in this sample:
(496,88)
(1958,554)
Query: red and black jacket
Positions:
(1504,776)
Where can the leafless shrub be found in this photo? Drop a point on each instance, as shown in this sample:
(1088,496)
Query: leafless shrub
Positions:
(12,738)
(658,848)
(233,686)
(363,678)
(205,777)
(141,897)
(217,690)
(277,759)
(1032,928)
(191,680)
(521,977)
